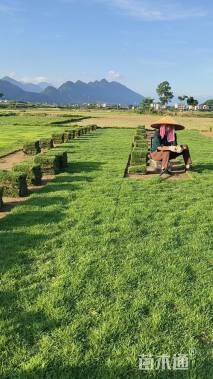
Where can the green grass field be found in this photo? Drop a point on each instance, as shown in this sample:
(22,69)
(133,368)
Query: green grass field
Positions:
(97,269)
(15,130)
(36,123)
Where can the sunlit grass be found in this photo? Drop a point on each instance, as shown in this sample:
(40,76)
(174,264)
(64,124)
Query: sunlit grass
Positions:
(97,269)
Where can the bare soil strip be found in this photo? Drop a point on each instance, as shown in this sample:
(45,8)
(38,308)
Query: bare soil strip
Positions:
(8,161)
(208,134)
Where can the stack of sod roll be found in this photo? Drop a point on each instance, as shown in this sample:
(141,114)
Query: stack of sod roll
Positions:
(67,135)
(61,155)
(31,148)
(50,165)
(139,152)
(58,138)
(14,183)
(93,127)
(46,143)
(51,162)
(33,172)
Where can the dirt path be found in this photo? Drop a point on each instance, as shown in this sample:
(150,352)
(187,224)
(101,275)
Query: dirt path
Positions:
(9,160)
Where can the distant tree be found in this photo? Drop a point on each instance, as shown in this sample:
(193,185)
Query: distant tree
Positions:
(145,105)
(209,103)
(182,98)
(164,92)
(192,101)
(1,95)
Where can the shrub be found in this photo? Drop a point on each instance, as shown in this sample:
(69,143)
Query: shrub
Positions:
(31,148)
(58,138)
(46,143)
(50,165)
(1,195)
(14,183)
(139,169)
(33,172)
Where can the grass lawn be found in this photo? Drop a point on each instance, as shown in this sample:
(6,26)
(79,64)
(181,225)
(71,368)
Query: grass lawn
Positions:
(97,269)
(15,130)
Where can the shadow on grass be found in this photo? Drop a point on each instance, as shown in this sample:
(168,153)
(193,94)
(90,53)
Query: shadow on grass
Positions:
(203,167)
(74,119)
(58,370)
(13,243)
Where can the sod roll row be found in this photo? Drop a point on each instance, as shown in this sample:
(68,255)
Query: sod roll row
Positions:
(35,147)
(139,152)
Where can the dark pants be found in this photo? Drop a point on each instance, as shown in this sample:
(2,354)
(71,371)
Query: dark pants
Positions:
(166,156)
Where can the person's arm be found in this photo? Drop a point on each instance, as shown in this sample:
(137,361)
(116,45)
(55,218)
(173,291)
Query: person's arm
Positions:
(164,148)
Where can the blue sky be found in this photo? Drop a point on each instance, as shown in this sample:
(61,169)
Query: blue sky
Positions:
(137,42)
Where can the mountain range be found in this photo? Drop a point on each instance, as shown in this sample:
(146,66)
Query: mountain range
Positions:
(69,92)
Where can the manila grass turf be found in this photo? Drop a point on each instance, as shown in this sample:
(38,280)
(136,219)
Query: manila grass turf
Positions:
(14,184)
(16,130)
(33,172)
(97,269)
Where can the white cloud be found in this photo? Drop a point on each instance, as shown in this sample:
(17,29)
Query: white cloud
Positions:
(155,10)
(113,75)
(35,80)
(28,79)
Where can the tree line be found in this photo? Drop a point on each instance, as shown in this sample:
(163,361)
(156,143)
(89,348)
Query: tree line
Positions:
(165,94)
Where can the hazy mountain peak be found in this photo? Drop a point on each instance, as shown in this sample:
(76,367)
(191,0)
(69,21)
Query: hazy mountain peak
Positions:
(73,93)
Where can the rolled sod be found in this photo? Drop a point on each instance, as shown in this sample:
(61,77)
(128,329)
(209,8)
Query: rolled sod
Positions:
(1,196)
(31,148)
(50,165)
(61,156)
(32,171)
(72,133)
(67,136)
(141,144)
(78,132)
(139,169)
(138,156)
(141,128)
(58,138)
(46,143)
(140,138)
(14,183)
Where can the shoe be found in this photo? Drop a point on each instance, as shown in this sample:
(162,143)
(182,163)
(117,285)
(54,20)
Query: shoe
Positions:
(188,168)
(164,171)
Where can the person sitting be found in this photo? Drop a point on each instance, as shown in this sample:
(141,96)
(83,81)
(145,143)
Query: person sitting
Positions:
(164,145)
